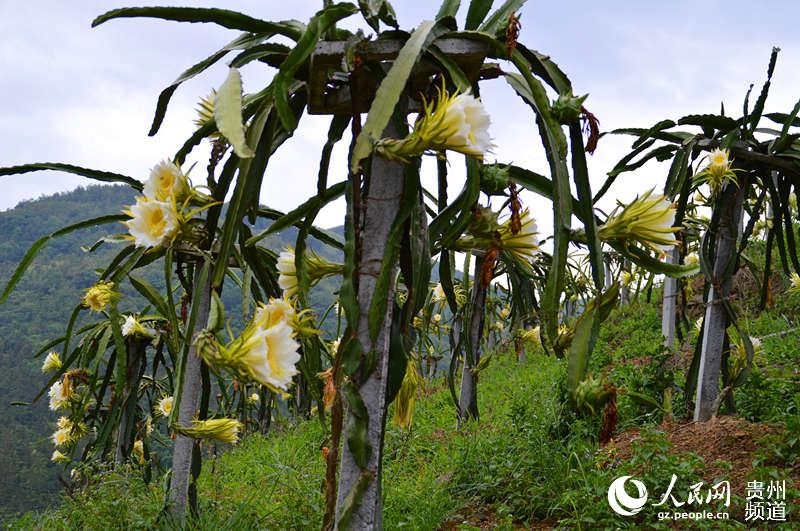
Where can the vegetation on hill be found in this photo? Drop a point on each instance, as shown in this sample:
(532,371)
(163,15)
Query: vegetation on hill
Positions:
(37,311)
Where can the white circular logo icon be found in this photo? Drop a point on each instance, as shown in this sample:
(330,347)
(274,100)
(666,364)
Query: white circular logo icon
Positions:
(621,502)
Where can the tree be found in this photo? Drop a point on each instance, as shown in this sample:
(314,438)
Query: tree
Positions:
(739,169)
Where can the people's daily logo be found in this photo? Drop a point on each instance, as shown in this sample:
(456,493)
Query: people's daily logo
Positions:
(623,503)
(766,501)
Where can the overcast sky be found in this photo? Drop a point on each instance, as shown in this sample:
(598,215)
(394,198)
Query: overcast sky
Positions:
(86,96)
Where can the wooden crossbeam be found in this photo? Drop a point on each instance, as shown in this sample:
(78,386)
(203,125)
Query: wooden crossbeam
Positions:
(330,87)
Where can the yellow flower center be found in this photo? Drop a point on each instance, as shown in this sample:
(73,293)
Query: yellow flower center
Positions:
(94,300)
(165,406)
(156,223)
(166,180)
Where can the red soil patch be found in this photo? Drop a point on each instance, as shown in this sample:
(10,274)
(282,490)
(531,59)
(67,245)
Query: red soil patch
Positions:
(721,440)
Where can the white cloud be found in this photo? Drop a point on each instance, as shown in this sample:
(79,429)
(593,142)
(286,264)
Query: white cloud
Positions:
(86,96)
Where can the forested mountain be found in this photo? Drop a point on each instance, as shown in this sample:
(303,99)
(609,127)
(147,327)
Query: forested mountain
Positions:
(38,310)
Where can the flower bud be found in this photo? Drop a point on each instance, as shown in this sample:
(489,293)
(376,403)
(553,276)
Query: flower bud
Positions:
(98,296)
(223,430)
(51,363)
(494,179)
(567,108)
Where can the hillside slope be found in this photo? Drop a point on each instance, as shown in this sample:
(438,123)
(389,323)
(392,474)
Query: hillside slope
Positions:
(527,463)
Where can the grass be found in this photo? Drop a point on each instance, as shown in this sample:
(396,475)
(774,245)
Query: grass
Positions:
(527,461)
(430,472)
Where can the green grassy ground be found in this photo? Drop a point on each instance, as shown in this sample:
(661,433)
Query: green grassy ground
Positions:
(528,461)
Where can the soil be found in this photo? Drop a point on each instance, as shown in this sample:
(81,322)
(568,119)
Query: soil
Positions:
(721,440)
(480,517)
